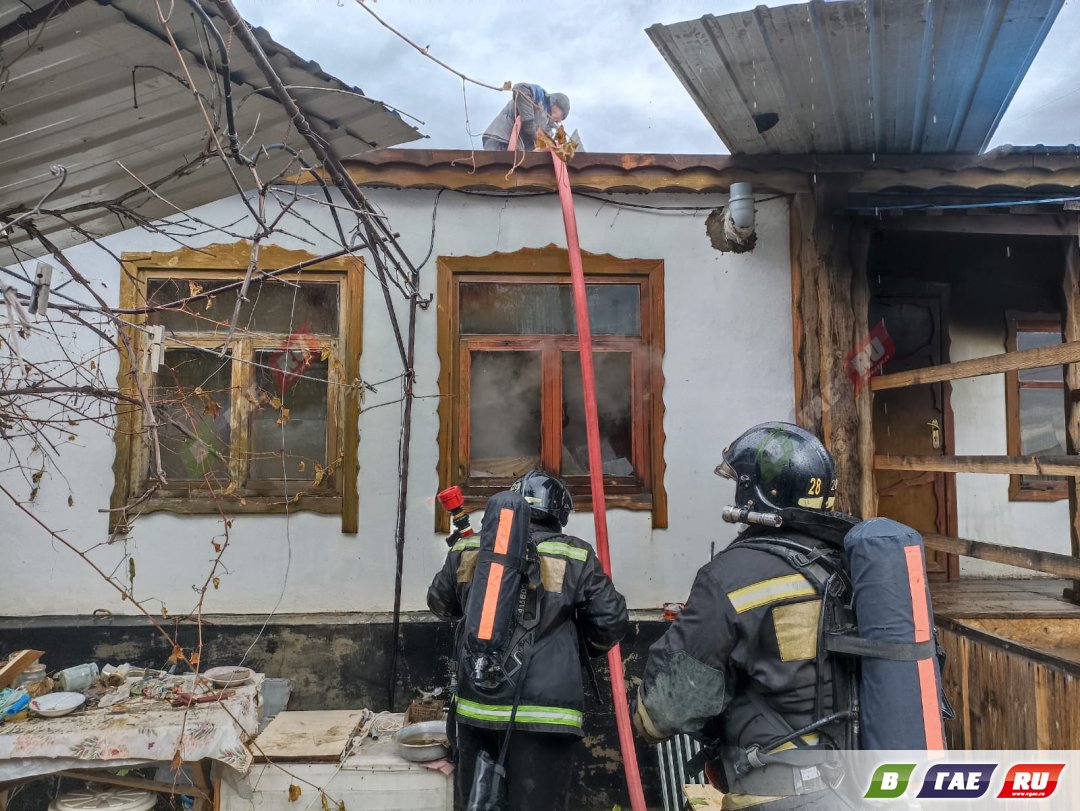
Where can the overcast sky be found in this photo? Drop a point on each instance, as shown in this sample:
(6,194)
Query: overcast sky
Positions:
(624,97)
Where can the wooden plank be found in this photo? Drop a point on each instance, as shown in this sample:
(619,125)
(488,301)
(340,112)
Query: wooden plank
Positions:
(16,664)
(1007,224)
(1056,355)
(1032,465)
(1033,559)
(867,500)
(109,779)
(307,737)
(702,796)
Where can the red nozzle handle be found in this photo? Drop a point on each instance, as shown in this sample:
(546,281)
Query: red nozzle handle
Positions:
(451,498)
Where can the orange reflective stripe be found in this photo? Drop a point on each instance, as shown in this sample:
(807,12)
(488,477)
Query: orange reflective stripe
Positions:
(928,689)
(491,601)
(502,536)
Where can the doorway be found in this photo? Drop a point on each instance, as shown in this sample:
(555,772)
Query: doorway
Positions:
(916,420)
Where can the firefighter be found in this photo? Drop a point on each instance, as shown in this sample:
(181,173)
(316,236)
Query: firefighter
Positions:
(579,608)
(739,668)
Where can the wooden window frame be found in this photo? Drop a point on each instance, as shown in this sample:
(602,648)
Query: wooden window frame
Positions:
(1028,322)
(551,265)
(229,262)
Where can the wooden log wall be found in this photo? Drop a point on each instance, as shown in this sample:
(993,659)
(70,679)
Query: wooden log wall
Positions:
(1070,328)
(1007,695)
(830,297)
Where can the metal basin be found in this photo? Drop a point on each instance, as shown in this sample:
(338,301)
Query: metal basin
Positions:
(423,742)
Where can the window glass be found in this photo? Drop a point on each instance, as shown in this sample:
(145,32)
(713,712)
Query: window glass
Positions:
(192,401)
(1032,340)
(1042,422)
(272,306)
(289,423)
(503,308)
(504,413)
(613,387)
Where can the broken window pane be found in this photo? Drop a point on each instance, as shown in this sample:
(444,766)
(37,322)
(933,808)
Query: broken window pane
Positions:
(504,413)
(272,306)
(289,423)
(613,386)
(192,402)
(1030,340)
(1042,429)
(503,308)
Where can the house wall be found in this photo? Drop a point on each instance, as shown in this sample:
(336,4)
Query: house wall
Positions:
(727,365)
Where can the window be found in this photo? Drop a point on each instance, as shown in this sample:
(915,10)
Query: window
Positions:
(1035,406)
(258,421)
(512,370)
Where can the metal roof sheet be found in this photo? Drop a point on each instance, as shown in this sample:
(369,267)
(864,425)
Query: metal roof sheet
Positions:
(95,86)
(858,76)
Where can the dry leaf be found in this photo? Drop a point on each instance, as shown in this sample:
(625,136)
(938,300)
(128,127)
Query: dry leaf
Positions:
(177,762)
(243,502)
(93,365)
(320,474)
(217,582)
(176,655)
(228,491)
(209,303)
(211,408)
(507,86)
(217,547)
(71,501)
(275,403)
(302,466)
(193,288)
(164,612)
(325,801)
(199,391)
(325,353)
(294,792)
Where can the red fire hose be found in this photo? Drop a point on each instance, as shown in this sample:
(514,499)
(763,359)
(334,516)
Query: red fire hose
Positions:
(596,472)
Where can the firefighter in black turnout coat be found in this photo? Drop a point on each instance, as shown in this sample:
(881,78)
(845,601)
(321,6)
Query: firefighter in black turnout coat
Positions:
(578,608)
(740,667)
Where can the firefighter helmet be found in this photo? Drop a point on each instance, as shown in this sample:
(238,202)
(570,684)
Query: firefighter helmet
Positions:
(778,466)
(548,497)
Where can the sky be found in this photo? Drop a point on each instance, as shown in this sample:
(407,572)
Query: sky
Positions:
(623,95)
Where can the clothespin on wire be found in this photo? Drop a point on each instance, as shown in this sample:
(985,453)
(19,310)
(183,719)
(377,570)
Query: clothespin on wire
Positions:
(18,321)
(39,299)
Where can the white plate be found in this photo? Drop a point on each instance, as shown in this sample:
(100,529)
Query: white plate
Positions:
(228,676)
(57,704)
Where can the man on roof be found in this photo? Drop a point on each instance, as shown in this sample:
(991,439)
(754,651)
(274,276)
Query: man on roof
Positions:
(539,110)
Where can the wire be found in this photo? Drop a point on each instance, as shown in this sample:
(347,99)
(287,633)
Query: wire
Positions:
(959,206)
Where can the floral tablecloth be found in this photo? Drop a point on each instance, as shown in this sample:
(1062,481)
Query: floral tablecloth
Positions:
(139,730)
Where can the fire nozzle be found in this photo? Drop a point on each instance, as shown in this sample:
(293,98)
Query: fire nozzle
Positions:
(454,502)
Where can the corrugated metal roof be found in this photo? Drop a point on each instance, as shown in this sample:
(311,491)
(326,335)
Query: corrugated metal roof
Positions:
(858,76)
(96,84)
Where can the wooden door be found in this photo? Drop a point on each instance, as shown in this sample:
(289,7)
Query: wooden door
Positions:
(915,421)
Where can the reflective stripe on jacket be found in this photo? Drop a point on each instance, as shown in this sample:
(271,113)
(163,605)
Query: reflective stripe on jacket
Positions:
(575,597)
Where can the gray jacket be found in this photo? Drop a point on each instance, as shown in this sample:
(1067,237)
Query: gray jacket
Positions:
(530,101)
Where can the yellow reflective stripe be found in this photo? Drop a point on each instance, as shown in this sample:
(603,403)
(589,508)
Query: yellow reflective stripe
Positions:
(556,716)
(563,550)
(810,739)
(466,543)
(770,591)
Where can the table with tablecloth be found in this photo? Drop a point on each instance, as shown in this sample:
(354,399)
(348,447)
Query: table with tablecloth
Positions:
(138,731)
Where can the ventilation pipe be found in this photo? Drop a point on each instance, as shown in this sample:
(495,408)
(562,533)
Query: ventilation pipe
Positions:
(731,228)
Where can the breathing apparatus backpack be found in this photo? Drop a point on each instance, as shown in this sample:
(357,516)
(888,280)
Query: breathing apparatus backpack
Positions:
(875,639)
(501,610)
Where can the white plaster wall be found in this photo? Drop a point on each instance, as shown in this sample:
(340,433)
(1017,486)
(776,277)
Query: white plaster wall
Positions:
(728,365)
(984,512)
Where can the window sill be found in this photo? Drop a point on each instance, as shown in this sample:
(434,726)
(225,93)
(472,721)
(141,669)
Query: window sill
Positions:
(230,505)
(1039,495)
